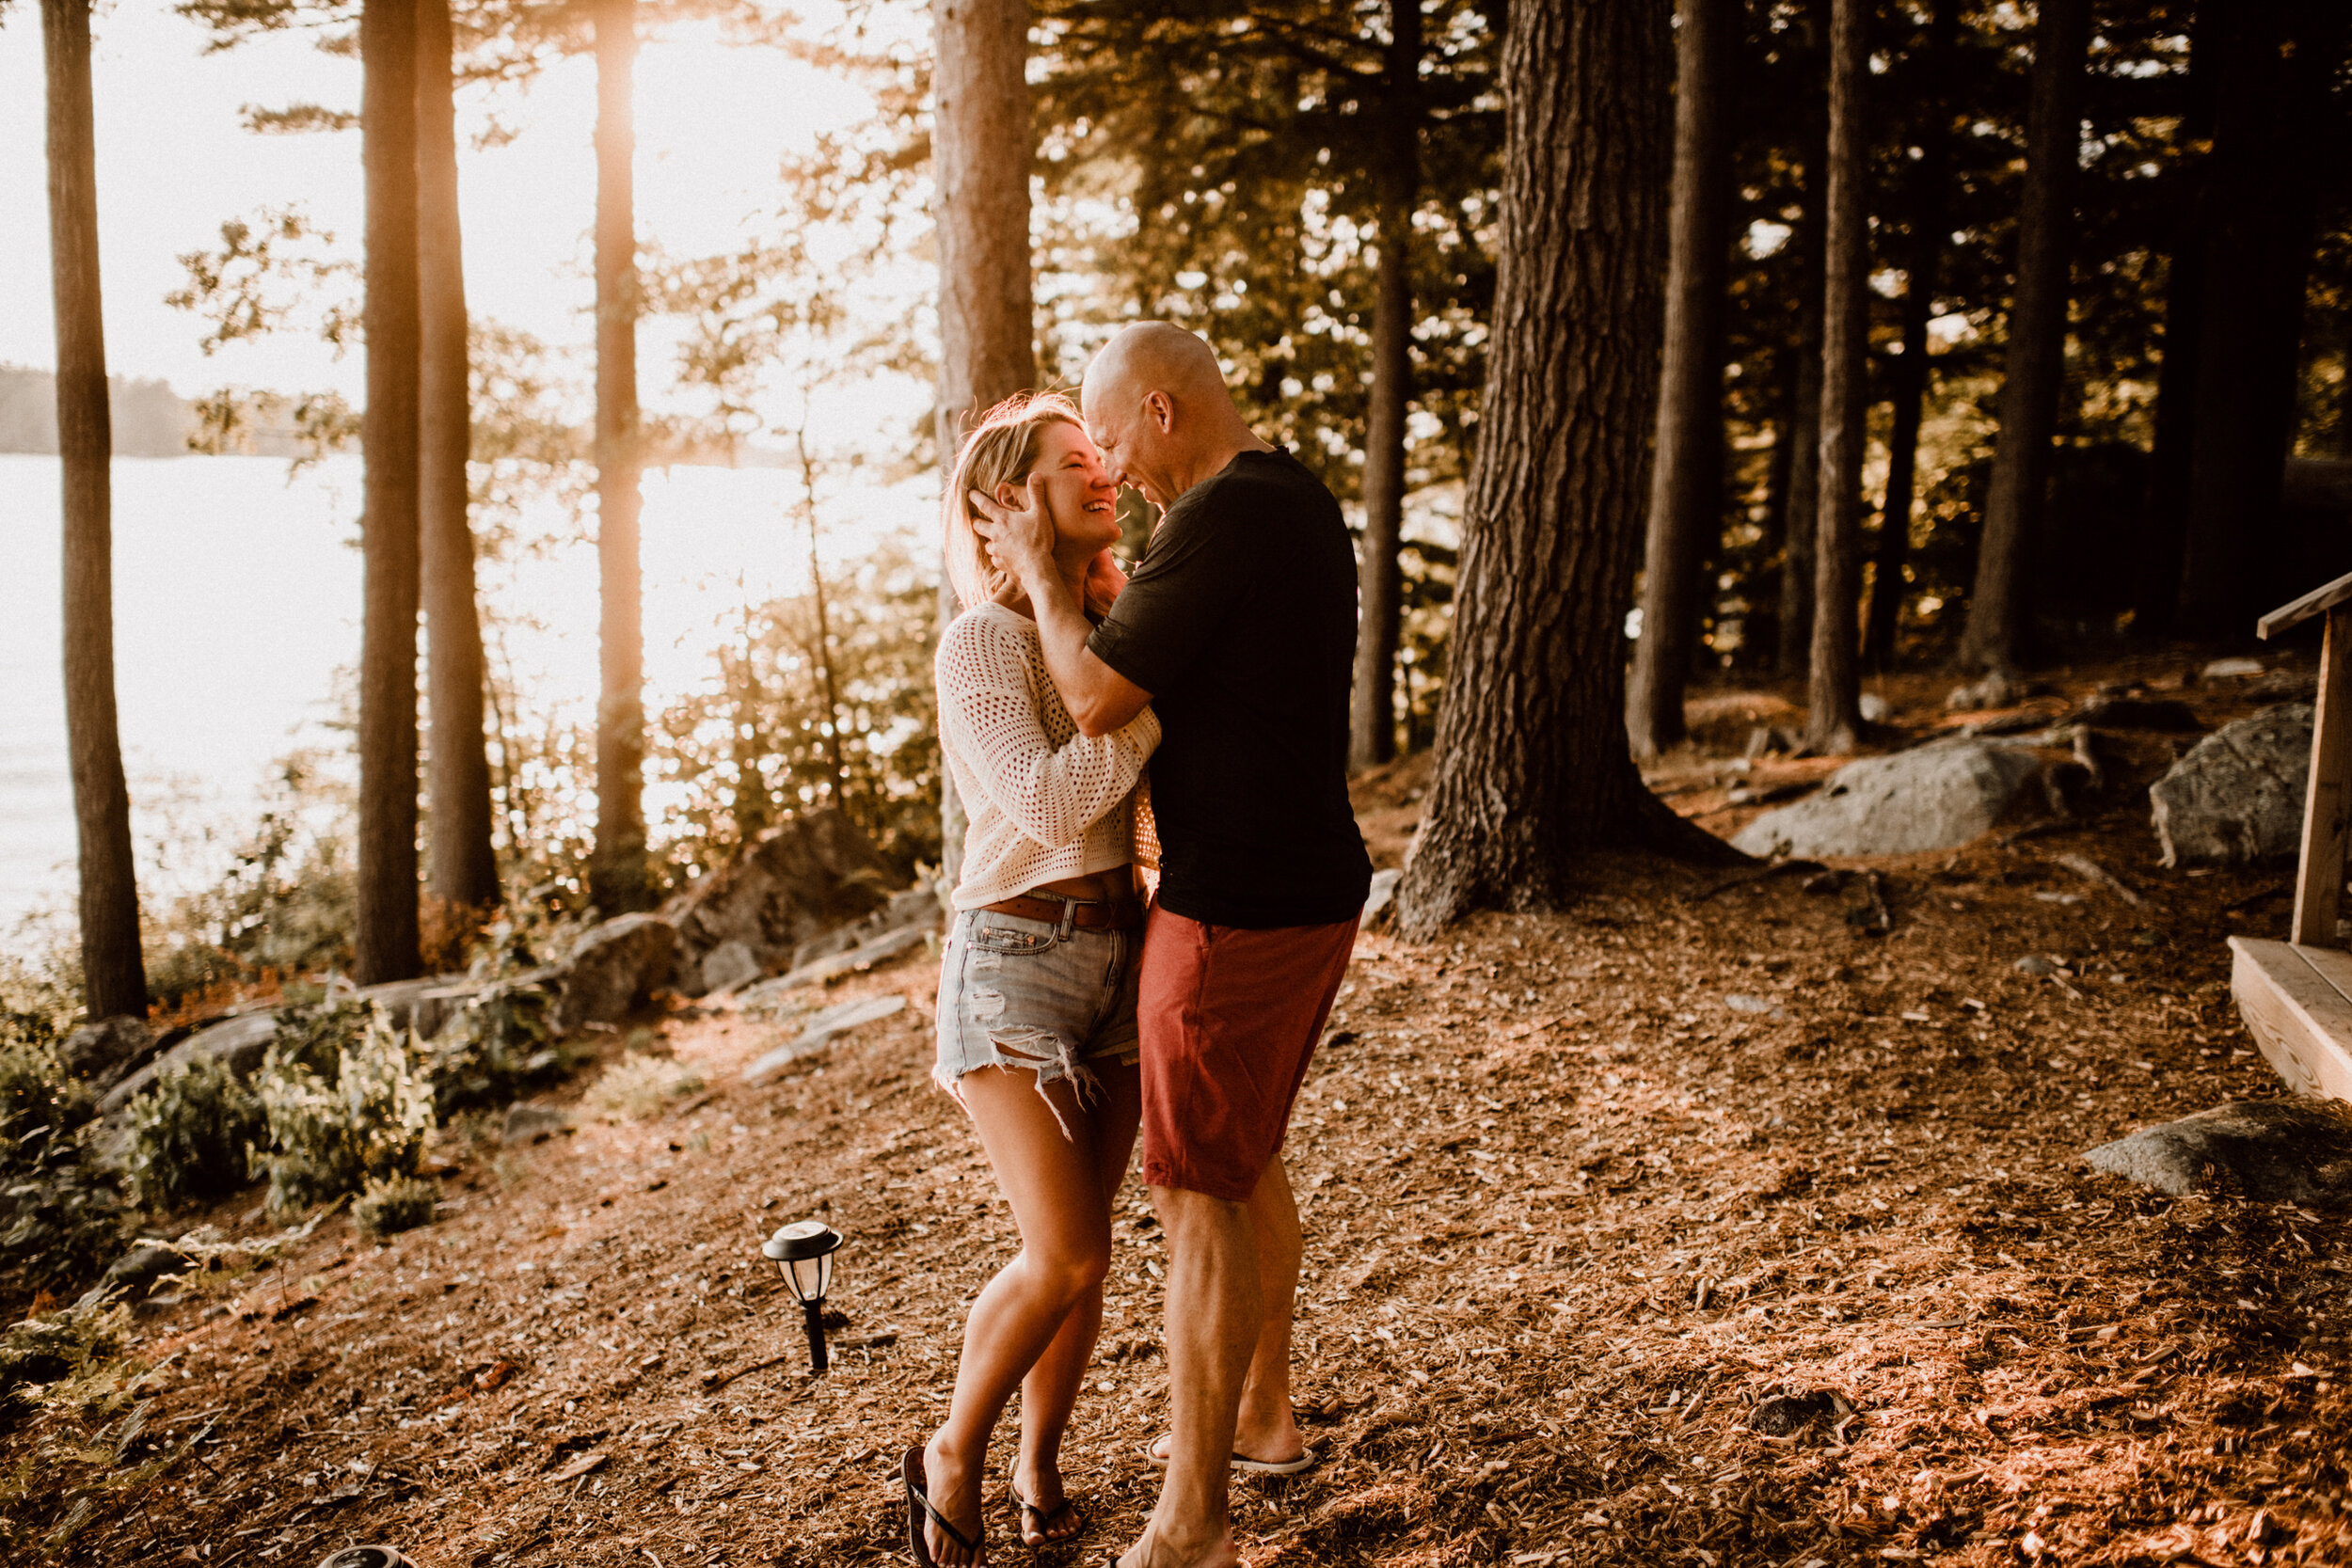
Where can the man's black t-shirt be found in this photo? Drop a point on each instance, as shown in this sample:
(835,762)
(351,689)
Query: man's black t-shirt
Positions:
(1241,622)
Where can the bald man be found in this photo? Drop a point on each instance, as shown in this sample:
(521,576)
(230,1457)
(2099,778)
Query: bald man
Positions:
(1239,627)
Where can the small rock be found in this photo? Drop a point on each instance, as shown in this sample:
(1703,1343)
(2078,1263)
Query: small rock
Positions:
(102,1052)
(2236,798)
(1998,689)
(1935,797)
(2272,1151)
(2230,669)
(2284,686)
(730,964)
(1785,1414)
(614,969)
(2035,964)
(882,948)
(1739,1003)
(2138,713)
(525,1122)
(1383,894)
(1874,708)
(140,1267)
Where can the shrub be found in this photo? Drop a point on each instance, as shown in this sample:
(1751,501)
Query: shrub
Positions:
(496,1044)
(637,1084)
(329,1133)
(193,1135)
(387,1208)
(61,1221)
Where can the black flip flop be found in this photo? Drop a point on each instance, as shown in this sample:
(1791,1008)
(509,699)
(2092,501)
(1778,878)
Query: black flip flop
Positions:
(1034,1517)
(911,1471)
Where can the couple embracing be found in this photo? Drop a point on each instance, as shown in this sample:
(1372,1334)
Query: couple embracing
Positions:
(1071,1014)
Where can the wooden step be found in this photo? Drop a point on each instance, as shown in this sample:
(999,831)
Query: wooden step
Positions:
(2297,1001)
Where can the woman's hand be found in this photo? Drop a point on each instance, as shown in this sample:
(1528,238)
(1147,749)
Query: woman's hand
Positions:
(1103,582)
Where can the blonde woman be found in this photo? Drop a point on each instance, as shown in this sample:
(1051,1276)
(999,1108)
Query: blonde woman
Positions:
(1037,986)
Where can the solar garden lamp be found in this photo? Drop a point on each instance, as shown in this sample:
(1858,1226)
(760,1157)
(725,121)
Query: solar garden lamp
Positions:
(802,1253)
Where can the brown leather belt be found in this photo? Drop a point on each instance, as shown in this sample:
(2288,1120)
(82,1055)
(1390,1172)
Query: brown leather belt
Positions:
(1084,914)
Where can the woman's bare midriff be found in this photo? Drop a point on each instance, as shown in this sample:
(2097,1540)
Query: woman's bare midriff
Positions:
(1108,886)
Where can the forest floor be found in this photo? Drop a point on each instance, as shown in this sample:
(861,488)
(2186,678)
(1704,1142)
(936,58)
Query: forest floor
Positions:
(1580,1191)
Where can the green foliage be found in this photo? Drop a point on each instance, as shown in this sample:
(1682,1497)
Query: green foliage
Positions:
(749,746)
(60,1221)
(389,1207)
(639,1085)
(330,1132)
(52,1348)
(192,1135)
(496,1045)
(285,906)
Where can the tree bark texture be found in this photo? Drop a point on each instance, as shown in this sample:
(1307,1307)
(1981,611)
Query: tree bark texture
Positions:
(114,976)
(1532,766)
(387,937)
(1686,501)
(1371,727)
(1931,231)
(2156,591)
(1833,679)
(2271,115)
(1803,429)
(619,878)
(2036,366)
(981,150)
(461,870)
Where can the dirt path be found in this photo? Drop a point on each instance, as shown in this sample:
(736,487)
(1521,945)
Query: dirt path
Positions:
(1573,1212)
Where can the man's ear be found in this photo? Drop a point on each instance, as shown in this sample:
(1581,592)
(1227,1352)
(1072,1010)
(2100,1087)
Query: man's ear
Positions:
(1162,410)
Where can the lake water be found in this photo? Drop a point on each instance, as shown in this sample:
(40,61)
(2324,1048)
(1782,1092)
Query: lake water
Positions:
(238,611)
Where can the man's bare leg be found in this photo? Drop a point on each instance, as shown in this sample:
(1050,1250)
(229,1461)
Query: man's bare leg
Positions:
(1215,1320)
(1266,1427)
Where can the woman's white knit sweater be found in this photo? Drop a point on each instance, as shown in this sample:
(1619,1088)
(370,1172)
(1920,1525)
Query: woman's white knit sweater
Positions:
(1042,802)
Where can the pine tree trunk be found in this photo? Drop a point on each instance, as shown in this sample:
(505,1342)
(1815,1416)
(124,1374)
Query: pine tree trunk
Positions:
(1686,501)
(461,869)
(2036,367)
(2270,105)
(386,936)
(2157,579)
(113,978)
(981,151)
(1532,766)
(1371,727)
(1910,387)
(1833,681)
(619,879)
(1931,231)
(1803,431)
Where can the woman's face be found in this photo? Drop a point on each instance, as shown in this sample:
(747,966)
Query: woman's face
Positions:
(1080,499)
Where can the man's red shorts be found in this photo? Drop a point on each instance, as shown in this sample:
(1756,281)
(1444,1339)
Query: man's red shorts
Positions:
(1229,1019)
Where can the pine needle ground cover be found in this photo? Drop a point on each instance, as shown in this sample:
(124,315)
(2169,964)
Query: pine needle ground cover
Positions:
(1601,1269)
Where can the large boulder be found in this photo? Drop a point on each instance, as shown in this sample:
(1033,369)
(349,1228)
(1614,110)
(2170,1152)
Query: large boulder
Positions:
(239,1042)
(2236,798)
(614,970)
(1934,797)
(104,1051)
(2277,1151)
(816,873)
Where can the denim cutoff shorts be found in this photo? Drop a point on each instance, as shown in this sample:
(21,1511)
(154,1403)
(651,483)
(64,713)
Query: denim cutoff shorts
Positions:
(1025,994)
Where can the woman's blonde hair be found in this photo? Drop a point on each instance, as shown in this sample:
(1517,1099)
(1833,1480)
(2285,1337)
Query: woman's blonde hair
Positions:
(1001,450)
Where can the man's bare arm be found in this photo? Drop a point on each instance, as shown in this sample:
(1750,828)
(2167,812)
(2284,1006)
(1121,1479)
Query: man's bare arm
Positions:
(1100,699)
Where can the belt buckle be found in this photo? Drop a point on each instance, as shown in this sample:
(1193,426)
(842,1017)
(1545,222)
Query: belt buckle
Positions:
(1068,918)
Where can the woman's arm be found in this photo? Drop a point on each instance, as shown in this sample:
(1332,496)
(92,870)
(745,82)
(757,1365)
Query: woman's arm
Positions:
(987,715)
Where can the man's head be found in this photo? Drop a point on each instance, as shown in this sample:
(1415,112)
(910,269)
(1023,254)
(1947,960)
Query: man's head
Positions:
(1155,403)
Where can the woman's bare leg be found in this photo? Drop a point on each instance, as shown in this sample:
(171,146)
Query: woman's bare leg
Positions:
(1054,1184)
(1051,1389)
